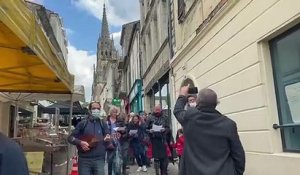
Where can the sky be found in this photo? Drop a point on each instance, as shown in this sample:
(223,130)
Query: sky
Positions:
(82,22)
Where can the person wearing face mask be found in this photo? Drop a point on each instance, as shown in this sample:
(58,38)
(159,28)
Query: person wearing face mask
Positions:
(192,101)
(90,137)
(158,139)
(212,144)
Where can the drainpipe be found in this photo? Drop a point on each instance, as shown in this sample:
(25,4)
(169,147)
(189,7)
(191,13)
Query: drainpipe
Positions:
(172,76)
(170,38)
(173,100)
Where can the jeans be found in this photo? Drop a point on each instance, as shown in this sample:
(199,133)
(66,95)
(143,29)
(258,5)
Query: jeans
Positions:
(111,167)
(111,155)
(125,149)
(139,153)
(91,166)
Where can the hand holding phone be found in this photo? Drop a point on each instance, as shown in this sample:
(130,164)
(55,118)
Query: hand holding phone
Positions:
(193,90)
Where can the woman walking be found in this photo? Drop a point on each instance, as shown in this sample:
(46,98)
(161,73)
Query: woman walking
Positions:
(136,134)
(118,131)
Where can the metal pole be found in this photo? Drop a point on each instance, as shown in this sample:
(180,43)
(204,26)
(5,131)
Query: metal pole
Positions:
(57,112)
(16,121)
(69,128)
(51,161)
(159,90)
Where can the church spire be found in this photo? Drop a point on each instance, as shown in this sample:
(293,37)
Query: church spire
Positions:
(105,31)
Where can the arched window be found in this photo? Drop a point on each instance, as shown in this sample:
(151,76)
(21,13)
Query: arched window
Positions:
(105,53)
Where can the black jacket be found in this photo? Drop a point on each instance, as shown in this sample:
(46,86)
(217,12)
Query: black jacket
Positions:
(158,139)
(212,145)
(87,129)
(141,131)
(12,160)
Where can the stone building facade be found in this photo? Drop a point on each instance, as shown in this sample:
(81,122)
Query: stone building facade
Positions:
(248,52)
(130,42)
(155,53)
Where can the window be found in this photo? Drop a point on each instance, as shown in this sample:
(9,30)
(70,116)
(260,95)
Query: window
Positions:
(285,52)
(157,98)
(181,10)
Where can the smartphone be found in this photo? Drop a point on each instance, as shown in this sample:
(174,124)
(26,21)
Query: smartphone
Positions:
(193,90)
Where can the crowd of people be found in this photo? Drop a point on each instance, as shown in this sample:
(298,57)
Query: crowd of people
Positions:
(120,140)
(207,144)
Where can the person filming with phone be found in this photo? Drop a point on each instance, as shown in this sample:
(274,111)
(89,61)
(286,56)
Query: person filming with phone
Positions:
(212,144)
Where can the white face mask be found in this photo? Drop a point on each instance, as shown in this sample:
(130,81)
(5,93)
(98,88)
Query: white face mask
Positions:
(96,113)
(193,104)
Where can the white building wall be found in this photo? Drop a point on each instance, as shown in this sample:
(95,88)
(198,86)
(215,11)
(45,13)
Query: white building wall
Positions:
(60,34)
(135,59)
(231,56)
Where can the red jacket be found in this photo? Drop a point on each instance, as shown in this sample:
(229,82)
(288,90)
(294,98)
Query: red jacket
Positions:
(149,151)
(180,145)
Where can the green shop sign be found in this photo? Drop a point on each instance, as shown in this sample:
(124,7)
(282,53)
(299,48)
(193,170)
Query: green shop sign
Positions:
(116,102)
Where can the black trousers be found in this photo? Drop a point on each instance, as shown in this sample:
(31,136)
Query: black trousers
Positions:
(161,166)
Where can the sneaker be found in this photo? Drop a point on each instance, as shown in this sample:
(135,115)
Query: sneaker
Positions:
(139,169)
(144,169)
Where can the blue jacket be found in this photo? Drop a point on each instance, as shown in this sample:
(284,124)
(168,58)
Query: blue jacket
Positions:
(12,160)
(87,129)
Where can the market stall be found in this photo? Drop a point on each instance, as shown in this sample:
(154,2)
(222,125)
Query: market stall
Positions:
(29,65)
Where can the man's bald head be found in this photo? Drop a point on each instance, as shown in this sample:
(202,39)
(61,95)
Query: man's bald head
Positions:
(207,98)
(157,109)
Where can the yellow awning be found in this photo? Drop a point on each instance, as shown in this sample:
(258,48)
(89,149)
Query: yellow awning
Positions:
(28,61)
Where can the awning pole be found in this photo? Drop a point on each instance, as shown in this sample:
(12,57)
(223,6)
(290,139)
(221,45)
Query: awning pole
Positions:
(16,121)
(69,128)
(57,113)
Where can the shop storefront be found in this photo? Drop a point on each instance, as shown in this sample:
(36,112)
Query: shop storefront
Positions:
(135,97)
(160,95)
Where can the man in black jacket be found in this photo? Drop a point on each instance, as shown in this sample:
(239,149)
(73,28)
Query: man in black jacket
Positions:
(212,145)
(90,137)
(158,139)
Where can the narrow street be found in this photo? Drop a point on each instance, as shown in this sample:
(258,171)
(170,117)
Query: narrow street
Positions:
(172,170)
(214,81)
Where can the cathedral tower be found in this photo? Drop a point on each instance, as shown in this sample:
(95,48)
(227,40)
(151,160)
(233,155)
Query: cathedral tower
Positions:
(106,66)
